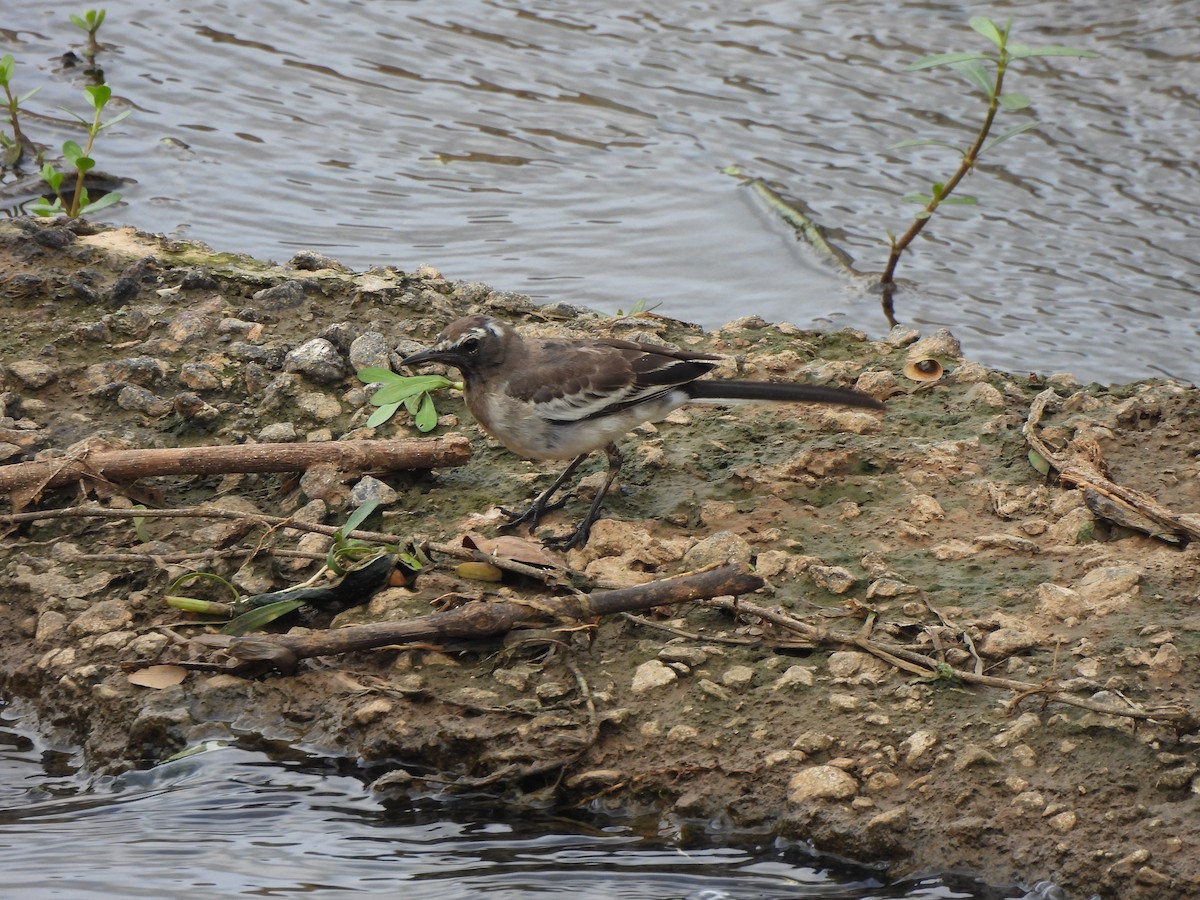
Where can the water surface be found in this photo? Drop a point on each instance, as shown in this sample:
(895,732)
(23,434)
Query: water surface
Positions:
(574,151)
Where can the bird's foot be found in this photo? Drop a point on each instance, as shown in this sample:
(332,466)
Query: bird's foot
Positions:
(533,514)
(576,538)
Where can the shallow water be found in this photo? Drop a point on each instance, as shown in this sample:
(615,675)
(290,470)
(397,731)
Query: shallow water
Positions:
(234,821)
(574,151)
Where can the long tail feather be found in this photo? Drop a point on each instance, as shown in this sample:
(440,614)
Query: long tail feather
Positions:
(787,392)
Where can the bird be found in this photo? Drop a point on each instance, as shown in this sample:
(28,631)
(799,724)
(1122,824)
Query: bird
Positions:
(557,398)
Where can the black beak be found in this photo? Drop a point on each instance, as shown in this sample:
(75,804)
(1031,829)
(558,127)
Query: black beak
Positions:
(428,356)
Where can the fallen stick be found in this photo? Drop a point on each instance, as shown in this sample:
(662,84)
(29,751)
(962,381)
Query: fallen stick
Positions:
(129,465)
(482,618)
(1082,466)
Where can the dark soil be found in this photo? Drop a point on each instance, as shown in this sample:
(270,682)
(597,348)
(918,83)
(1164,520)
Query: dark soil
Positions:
(927,528)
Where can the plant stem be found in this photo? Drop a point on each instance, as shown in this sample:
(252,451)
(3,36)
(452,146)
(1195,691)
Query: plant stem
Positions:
(79,173)
(887,281)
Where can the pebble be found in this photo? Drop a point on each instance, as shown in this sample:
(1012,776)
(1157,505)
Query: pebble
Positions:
(835,579)
(138,399)
(33,374)
(689,656)
(917,745)
(650,675)
(318,406)
(278,433)
(370,349)
(102,616)
(370,489)
(821,783)
(318,360)
(738,677)
(719,548)
(794,676)
(198,376)
(372,710)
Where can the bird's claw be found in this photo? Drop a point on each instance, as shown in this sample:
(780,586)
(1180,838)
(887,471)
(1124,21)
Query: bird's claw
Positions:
(533,514)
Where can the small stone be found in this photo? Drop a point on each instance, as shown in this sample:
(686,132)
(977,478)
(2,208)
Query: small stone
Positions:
(278,433)
(322,482)
(917,745)
(738,677)
(652,674)
(50,624)
(889,587)
(1005,642)
(720,548)
(317,360)
(821,783)
(102,617)
(1059,602)
(812,742)
(1108,582)
(1029,800)
(138,399)
(1167,661)
(683,734)
(320,407)
(835,579)
(370,350)
(973,755)
(597,778)
(372,710)
(893,820)
(370,489)
(689,656)
(33,374)
(794,676)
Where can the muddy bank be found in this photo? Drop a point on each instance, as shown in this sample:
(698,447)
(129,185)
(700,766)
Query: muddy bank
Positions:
(927,530)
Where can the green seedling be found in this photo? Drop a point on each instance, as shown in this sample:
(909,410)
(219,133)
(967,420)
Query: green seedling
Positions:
(413,392)
(80,160)
(90,22)
(985,71)
(12,148)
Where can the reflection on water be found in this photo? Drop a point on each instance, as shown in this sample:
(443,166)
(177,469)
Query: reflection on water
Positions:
(574,151)
(234,821)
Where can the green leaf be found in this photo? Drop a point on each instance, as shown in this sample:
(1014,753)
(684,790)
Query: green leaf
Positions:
(99,94)
(382,414)
(77,20)
(1039,462)
(6,68)
(1012,132)
(27,95)
(925,142)
(52,177)
(44,208)
(372,374)
(71,152)
(109,199)
(985,26)
(1015,100)
(964,199)
(202,576)
(405,386)
(923,199)
(195,605)
(426,417)
(260,616)
(1024,51)
(123,114)
(358,517)
(975,73)
(84,163)
(946,59)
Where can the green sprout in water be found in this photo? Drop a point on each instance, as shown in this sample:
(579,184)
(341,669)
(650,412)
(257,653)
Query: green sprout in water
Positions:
(413,392)
(90,22)
(12,148)
(80,159)
(986,71)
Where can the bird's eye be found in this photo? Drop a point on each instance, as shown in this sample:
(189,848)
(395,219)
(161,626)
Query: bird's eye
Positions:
(470,345)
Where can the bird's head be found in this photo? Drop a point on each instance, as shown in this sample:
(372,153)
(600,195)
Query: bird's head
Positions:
(471,344)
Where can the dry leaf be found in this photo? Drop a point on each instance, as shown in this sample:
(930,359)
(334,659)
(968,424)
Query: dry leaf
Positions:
(158,676)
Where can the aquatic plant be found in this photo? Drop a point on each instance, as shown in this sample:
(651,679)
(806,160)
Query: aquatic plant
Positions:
(986,71)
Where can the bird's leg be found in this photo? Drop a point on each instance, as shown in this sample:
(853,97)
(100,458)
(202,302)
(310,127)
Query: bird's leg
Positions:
(580,536)
(542,504)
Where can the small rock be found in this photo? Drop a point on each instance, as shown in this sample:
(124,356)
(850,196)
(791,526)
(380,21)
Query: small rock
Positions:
(278,433)
(138,399)
(317,360)
(101,617)
(893,820)
(1004,642)
(890,587)
(835,579)
(370,350)
(371,489)
(1059,602)
(917,745)
(683,734)
(49,625)
(738,677)
(821,783)
(1107,582)
(199,377)
(372,710)
(322,482)
(33,373)
(720,548)
(812,742)
(794,676)
(652,674)
(973,755)
(689,656)
(320,407)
